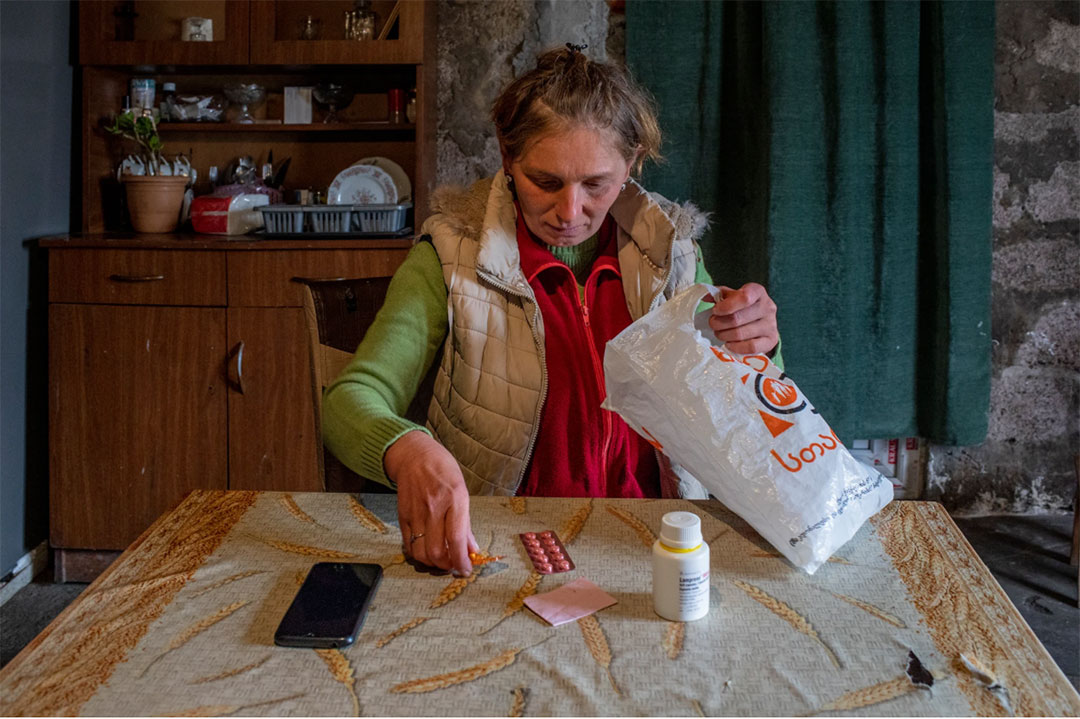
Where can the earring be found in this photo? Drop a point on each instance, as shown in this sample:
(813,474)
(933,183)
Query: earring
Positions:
(623,187)
(509,179)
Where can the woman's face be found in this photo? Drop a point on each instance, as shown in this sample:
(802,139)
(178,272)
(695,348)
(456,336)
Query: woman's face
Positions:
(566,182)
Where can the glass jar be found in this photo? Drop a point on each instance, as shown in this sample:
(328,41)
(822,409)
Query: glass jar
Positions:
(360,22)
(310,27)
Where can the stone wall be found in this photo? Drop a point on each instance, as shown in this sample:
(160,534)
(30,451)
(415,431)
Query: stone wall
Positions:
(483,45)
(1027,462)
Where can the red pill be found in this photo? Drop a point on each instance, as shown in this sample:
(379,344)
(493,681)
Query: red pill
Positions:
(543,568)
(546,534)
(529,535)
(563,566)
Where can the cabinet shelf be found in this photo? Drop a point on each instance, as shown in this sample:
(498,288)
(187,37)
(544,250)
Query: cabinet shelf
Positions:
(370,126)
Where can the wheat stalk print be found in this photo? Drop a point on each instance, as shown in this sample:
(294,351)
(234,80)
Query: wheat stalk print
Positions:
(517,706)
(869,696)
(575,523)
(222,582)
(411,624)
(220,710)
(674,633)
(527,590)
(598,645)
(453,590)
(342,671)
(872,610)
(232,672)
(441,681)
(293,508)
(697,707)
(196,629)
(789,615)
(189,535)
(646,534)
(517,505)
(305,550)
(365,516)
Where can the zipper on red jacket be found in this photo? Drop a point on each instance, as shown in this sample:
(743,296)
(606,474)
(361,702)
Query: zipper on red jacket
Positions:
(599,373)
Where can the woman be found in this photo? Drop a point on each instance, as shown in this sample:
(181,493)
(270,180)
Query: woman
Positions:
(521,281)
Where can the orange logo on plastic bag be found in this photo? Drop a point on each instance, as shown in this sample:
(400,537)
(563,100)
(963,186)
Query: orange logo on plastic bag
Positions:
(778,393)
(775,425)
(757,363)
(809,453)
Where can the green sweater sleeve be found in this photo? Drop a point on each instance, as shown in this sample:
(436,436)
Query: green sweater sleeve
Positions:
(363,407)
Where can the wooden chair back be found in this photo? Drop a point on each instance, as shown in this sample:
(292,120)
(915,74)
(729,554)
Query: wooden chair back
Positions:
(337,313)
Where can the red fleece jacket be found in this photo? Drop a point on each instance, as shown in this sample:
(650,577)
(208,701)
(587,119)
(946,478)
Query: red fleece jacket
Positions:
(582,450)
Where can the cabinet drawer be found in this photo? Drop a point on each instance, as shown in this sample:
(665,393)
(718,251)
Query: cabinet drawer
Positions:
(142,277)
(265,278)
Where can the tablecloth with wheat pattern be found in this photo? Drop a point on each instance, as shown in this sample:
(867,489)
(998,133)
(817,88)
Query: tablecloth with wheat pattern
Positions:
(904,620)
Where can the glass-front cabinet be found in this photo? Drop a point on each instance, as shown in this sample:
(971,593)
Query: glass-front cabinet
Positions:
(307,87)
(287,32)
(255,32)
(176,32)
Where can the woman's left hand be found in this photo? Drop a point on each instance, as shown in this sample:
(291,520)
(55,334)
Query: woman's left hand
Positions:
(745,319)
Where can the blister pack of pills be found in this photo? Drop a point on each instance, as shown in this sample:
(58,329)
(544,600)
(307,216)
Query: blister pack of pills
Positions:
(547,552)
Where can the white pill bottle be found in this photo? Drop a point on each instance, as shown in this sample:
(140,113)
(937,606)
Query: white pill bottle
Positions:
(680,582)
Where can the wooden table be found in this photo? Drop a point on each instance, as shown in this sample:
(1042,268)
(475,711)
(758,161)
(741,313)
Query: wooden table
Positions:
(183,622)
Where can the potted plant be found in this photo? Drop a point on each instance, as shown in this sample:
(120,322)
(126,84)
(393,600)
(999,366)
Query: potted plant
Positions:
(154,200)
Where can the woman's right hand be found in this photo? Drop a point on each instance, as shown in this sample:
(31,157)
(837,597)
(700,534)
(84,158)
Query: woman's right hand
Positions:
(433,503)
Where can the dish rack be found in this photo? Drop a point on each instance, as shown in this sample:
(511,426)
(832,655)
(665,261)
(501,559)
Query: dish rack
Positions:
(338,220)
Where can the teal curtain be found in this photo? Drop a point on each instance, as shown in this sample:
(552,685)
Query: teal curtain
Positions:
(845,151)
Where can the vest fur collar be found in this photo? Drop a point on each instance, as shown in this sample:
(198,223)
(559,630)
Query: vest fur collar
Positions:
(485,212)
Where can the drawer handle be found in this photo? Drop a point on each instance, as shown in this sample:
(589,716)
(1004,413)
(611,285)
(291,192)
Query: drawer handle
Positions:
(136,278)
(237,353)
(309,280)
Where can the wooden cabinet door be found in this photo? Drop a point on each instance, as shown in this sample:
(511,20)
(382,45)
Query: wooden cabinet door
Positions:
(276,24)
(272,442)
(137,417)
(149,32)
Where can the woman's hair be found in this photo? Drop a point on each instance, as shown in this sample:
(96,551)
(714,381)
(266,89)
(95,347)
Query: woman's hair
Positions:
(567,88)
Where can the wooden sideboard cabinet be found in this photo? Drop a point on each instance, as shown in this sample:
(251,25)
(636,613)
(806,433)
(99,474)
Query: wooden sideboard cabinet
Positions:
(179,364)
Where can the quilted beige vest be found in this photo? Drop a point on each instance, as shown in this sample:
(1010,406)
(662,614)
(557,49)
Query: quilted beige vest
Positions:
(491,385)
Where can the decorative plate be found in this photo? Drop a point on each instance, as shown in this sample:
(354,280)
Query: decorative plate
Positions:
(401,180)
(362,185)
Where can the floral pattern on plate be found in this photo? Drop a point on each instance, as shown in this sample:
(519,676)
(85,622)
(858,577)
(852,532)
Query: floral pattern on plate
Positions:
(362,185)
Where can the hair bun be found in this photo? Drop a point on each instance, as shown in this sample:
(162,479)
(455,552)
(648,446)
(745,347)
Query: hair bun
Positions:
(575,49)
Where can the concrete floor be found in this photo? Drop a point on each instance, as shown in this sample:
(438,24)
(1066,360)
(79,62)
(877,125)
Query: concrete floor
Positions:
(1028,555)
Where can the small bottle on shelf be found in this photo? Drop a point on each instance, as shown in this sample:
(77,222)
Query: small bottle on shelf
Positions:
(395,103)
(168,101)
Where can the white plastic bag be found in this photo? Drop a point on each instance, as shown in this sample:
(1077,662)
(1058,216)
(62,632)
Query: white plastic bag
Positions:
(743,429)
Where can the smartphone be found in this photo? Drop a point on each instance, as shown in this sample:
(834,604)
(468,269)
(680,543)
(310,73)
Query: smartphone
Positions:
(330,606)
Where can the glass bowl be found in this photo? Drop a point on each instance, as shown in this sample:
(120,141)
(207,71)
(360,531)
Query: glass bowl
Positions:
(245,95)
(333,96)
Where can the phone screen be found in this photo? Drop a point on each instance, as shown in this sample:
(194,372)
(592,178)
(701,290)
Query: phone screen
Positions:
(330,606)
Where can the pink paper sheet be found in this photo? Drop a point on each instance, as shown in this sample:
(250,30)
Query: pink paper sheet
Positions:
(574,600)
